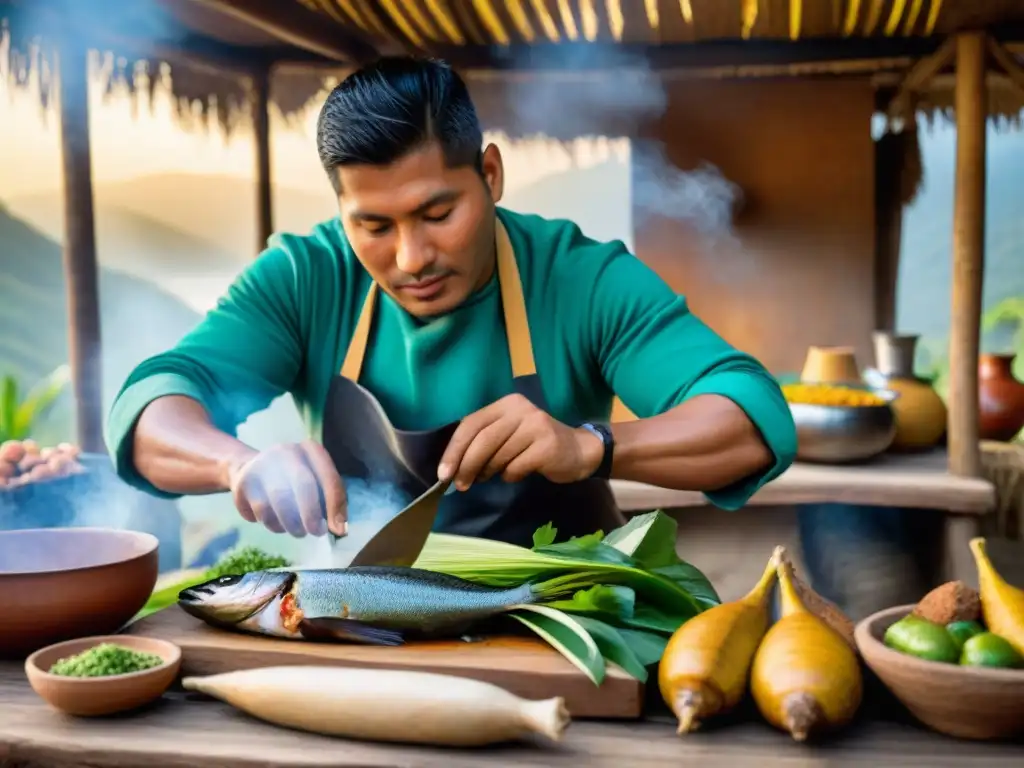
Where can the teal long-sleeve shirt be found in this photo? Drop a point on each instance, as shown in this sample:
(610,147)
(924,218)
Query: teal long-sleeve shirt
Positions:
(601,321)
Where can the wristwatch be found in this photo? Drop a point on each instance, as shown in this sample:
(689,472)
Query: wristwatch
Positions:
(604,469)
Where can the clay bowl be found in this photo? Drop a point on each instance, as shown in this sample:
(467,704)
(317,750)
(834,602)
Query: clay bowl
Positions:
(96,696)
(61,583)
(965,702)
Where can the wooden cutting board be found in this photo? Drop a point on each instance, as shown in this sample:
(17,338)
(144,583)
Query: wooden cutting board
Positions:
(523,665)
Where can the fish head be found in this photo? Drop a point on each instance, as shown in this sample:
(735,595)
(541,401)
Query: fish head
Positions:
(232,599)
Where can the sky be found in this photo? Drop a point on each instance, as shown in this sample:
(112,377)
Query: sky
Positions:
(126,146)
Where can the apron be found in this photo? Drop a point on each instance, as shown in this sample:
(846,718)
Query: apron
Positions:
(363,445)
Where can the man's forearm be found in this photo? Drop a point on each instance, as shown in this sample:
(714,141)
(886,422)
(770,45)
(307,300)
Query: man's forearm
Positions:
(704,444)
(178,449)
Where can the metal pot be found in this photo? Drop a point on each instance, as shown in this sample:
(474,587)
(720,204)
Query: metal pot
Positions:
(835,434)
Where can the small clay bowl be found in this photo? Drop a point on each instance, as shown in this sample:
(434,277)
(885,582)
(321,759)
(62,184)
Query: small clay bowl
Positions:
(966,702)
(95,696)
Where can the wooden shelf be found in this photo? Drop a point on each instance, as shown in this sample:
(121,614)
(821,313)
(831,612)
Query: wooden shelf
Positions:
(911,480)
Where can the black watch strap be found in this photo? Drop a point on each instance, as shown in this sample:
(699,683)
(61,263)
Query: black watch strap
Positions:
(604,470)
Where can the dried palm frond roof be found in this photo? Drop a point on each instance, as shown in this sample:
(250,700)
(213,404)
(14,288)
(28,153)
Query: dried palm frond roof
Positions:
(209,50)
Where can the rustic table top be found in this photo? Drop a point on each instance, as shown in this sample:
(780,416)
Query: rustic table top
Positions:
(186,730)
(919,480)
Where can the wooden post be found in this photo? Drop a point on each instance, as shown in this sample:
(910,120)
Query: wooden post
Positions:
(80,271)
(968,254)
(261,139)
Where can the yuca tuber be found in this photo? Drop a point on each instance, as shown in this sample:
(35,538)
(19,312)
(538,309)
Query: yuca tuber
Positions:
(949,602)
(821,607)
(706,663)
(385,705)
(805,677)
(1002,604)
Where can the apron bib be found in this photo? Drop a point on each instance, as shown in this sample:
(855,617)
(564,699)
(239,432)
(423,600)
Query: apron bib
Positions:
(363,445)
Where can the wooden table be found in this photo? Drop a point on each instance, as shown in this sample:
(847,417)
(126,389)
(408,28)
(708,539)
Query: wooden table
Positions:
(187,731)
(912,480)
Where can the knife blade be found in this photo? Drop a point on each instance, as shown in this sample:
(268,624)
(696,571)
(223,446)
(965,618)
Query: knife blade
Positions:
(400,540)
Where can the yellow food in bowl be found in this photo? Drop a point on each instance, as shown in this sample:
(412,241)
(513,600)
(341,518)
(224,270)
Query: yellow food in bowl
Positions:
(828,394)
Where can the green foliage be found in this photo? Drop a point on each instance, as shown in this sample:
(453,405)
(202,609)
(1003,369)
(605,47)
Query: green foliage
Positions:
(21,416)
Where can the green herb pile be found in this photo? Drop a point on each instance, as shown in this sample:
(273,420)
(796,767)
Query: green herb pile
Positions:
(245,560)
(104,660)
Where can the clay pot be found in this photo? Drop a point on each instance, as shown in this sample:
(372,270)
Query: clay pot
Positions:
(830,365)
(1001,398)
(920,411)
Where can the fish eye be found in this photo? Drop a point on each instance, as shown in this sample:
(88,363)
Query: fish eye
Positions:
(225,581)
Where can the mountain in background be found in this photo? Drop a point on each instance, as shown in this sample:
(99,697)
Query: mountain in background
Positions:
(138,317)
(217,211)
(926,260)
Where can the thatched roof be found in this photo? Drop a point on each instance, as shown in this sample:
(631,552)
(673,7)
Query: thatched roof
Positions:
(207,51)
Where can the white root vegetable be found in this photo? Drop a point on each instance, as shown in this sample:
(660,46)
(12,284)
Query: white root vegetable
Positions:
(385,705)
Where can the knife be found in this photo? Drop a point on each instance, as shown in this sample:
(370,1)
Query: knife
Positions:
(400,540)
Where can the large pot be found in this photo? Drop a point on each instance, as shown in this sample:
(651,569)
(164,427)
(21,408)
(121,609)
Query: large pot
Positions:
(920,411)
(1000,398)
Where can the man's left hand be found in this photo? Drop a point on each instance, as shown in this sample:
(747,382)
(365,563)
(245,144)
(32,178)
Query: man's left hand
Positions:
(514,438)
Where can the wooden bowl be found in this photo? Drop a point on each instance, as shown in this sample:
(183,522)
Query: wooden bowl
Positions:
(965,702)
(61,583)
(95,696)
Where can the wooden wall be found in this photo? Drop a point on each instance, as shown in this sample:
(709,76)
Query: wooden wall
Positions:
(800,271)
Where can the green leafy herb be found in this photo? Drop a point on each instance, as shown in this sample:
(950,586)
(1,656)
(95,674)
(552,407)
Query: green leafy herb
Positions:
(567,635)
(544,535)
(614,648)
(600,599)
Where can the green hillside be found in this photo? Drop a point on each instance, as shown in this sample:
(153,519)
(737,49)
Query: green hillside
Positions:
(218,211)
(137,317)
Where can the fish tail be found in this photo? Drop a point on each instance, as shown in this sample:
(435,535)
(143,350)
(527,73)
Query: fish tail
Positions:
(565,585)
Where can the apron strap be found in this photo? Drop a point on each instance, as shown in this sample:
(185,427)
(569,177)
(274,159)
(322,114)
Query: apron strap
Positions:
(353,365)
(517,326)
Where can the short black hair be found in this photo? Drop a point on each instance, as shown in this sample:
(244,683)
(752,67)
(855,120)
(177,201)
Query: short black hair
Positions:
(393,106)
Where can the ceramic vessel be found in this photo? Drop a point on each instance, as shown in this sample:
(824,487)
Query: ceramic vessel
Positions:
(63,583)
(966,702)
(830,365)
(1001,398)
(920,411)
(99,696)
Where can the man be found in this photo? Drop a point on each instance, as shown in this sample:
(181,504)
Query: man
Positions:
(493,342)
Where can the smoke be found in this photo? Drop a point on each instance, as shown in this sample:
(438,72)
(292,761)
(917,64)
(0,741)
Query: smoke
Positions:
(371,504)
(600,90)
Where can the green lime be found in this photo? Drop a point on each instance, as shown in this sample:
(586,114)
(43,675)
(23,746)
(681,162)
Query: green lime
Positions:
(990,650)
(922,638)
(962,631)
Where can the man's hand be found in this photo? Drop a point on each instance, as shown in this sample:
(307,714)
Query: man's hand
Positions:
(513,438)
(291,488)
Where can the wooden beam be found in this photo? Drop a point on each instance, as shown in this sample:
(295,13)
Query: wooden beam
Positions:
(261,140)
(1004,59)
(80,269)
(919,76)
(968,254)
(295,25)
(550,57)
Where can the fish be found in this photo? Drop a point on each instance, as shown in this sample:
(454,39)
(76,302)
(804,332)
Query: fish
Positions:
(372,605)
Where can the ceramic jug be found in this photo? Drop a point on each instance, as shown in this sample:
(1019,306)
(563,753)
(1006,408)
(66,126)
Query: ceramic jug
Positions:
(920,411)
(1001,398)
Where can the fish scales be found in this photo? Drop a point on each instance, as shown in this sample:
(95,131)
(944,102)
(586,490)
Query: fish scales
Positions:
(401,598)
